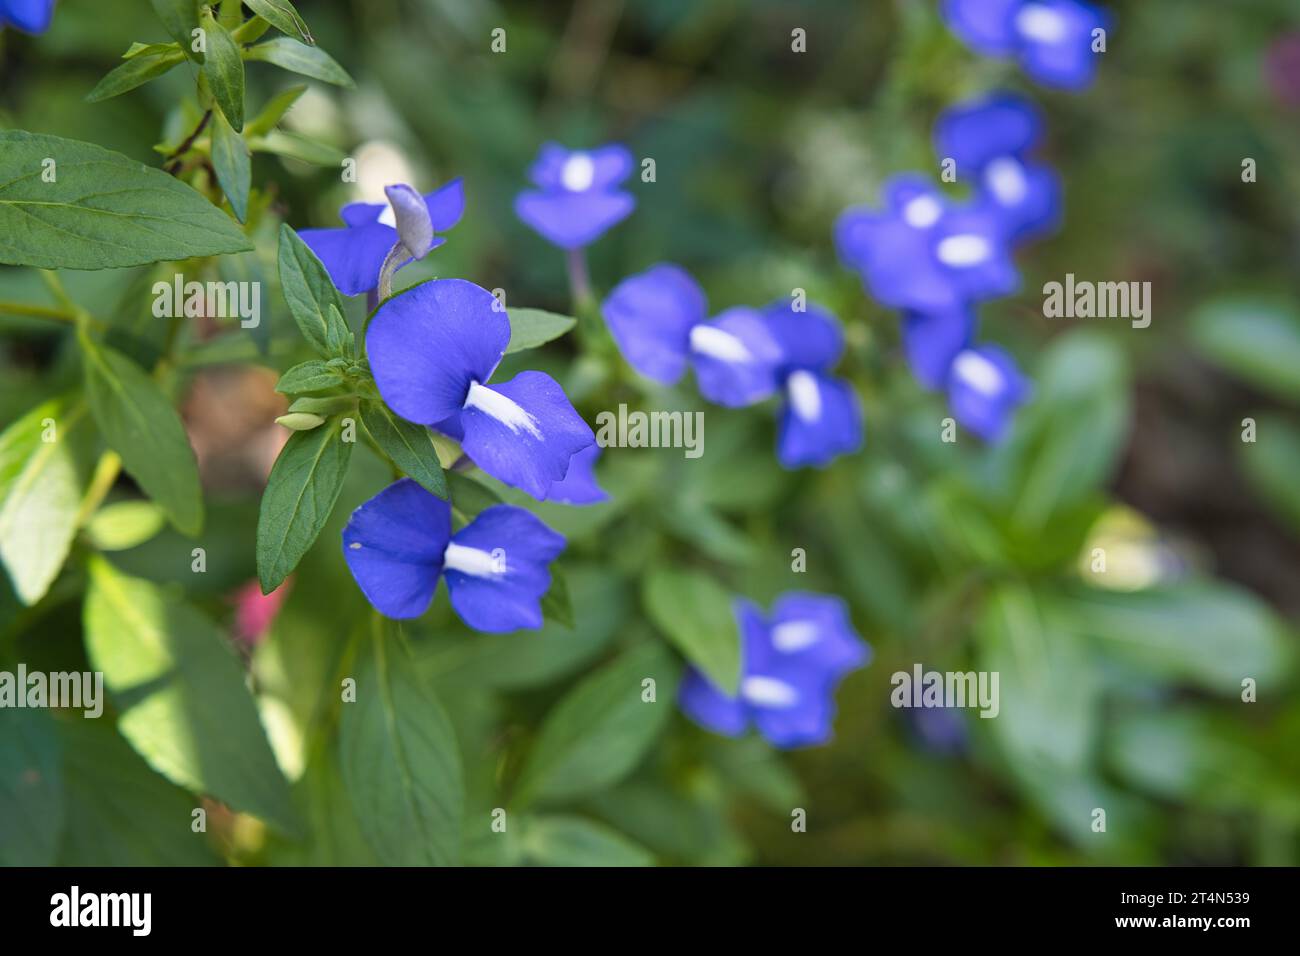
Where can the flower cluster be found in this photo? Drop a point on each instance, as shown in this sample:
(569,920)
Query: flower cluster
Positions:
(1055,41)
(791,663)
(30,16)
(659,319)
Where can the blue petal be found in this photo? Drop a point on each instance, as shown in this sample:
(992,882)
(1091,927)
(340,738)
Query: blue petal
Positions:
(361,213)
(31,16)
(977,132)
(578,487)
(810,339)
(972,249)
(1060,56)
(814,630)
(1025,197)
(427,344)
(352,255)
(650,316)
(820,420)
(393,545)
(571,220)
(986,25)
(524,432)
(609,165)
(932,340)
(703,702)
(806,723)
(735,358)
(446,204)
(984,390)
(508,569)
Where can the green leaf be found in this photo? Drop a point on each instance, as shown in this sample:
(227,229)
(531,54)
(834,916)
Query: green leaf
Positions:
(401,765)
(310,294)
(600,731)
(124,525)
(1257,339)
(1272,463)
(41,484)
(530,328)
(119,812)
(1206,632)
(282,15)
(180,691)
(139,423)
(300,494)
(181,18)
(296,146)
(234,165)
(224,68)
(102,211)
(273,111)
(31,787)
(409,445)
(695,613)
(312,376)
(469,497)
(556,606)
(575,841)
(306,60)
(136,71)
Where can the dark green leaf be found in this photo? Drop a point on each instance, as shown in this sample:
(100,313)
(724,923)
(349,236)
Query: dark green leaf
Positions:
(181,695)
(310,293)
(1256,339)
(575,841)
(136,71)
(409,445)
(469,497)
(233,163)
(530,328)
(102,211)
(306,60)
(281,15)
(224,68)
(400,762)
(31,787)
(300,494)
(600,731)
(1272,463)
(695,613)
(273,111)
(556,606)
(181,18)
(41,484)
(139,423)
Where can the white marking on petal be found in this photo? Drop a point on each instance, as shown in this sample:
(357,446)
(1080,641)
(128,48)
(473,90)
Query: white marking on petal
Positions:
(355,546)
(715,343)
(794,636)
(963,250)
(578,173)
(768,692)
(503,408)
(388,217)
(922,212)
(1040,24)
(472,561)
(805,396)
(1005,178)
(977,372)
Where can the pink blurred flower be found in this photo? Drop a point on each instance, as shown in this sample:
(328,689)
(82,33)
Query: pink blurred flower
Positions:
(1282,69)
(255,611)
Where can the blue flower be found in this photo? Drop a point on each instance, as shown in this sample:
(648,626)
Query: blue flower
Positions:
(922,252)
(579,487)
(931,340)
(990,140)
(399,542)
(1052,39)
(30,16)
(354,254)
(984,390)
(790,667)
(821,417)
(432,350)
(658,320)
(577,197)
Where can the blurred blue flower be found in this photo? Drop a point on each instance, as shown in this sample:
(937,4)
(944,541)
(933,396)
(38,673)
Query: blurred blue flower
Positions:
(354,254)
(990,139)
(924,253)
(30,16)
(497,567)
(821,417)
(658,320)
(931,340)
(1052,39)
(432,350)
(579,487)
(577,198)
(790,667)
(984,390)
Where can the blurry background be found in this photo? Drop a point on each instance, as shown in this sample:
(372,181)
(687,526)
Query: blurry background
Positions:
(1120,691)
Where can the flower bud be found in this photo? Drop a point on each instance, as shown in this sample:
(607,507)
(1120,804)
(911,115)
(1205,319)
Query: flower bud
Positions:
(411,217)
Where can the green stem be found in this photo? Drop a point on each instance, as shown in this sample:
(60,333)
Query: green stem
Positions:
(37,312)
